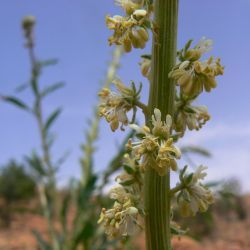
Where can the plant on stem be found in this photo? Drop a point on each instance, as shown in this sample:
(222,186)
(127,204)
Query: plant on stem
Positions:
(144,191)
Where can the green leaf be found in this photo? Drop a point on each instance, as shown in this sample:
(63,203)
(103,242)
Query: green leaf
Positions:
(146,56)
(188,44)
(50,89)
(15,101)
(52,118)
(128,183)
(34,86)
(64,210)
(182,172)
(49,62)
(196,149)
(128,169)
(36,164)
(189,110)
(189,178)
(21,87)
(43,245)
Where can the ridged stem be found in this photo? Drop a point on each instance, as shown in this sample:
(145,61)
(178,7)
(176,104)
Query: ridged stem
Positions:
(161,96)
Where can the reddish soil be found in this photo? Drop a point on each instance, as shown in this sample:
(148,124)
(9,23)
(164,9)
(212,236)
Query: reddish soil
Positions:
(228,234)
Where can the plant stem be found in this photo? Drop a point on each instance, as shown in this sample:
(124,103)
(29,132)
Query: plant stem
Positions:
(48,213)
(162,92)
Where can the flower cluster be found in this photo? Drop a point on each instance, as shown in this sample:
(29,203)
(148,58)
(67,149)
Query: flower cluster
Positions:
(124,217)
(155,148)
(189,116)
(193,75)
(194,196)
(115,106)
(130,30)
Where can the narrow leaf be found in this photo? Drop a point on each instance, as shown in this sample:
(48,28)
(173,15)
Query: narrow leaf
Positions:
(52,88)
(21,87)
(49,62)
(15,101)
(52,118)
(128,169)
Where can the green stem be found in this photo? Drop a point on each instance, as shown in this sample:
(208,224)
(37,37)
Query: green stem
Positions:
(162,91)
(46,152)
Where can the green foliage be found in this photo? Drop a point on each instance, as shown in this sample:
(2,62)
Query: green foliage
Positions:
(16,102)
(82,196)
(15,183)
(16,186)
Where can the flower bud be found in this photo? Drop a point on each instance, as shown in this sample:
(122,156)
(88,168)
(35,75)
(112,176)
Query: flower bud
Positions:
(28,22)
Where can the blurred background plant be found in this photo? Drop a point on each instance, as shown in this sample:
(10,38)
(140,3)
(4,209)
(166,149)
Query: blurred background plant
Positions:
(71,213)
(16,186)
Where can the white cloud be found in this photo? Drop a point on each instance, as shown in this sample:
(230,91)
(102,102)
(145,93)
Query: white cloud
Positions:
(230,148)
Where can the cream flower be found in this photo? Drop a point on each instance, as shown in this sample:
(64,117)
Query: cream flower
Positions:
(114,106)
(161,128)
(166,157)
(129,31)
(120,220)
(188,116)
(192,75)
(155,149)
(129,6)
(146,67)
(203,46)
(118,193)
(195,197)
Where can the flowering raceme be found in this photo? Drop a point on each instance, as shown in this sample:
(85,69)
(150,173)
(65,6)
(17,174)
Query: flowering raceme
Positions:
(193,75)
(149,159)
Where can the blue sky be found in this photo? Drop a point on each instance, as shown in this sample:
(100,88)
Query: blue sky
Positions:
(75,33)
